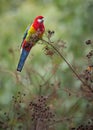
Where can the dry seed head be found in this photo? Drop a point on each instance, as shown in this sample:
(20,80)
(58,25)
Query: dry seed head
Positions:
(88,42)
(40,110)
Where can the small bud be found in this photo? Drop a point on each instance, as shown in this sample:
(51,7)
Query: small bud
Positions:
(24,94)
(18,113)
(5,113)
(13,97)
(49,31)
(19,92)
(88,42)
(53,31)
(20,101)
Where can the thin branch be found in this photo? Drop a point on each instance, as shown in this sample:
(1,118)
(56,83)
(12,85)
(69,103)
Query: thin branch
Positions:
(64,119)
(70,66)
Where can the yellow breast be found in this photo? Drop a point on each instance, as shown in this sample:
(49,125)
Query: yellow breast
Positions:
(32,31)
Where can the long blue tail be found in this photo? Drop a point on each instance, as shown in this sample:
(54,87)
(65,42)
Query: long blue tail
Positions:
(23,57)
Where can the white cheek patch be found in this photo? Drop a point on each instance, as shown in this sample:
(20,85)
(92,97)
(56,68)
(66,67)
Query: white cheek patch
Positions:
(40,20)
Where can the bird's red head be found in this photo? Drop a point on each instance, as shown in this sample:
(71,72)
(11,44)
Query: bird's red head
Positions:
(39,19)
(38,22)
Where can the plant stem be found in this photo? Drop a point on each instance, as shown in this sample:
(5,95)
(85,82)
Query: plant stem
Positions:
(70,66)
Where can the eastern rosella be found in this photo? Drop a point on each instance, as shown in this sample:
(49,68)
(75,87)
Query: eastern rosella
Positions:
(33,33)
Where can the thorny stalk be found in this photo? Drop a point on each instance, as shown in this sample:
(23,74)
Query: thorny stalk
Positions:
(70,66)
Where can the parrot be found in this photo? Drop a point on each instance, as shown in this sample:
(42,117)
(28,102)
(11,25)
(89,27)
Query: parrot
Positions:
(32,35)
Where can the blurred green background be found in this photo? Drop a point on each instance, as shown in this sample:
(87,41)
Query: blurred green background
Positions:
(72,21)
